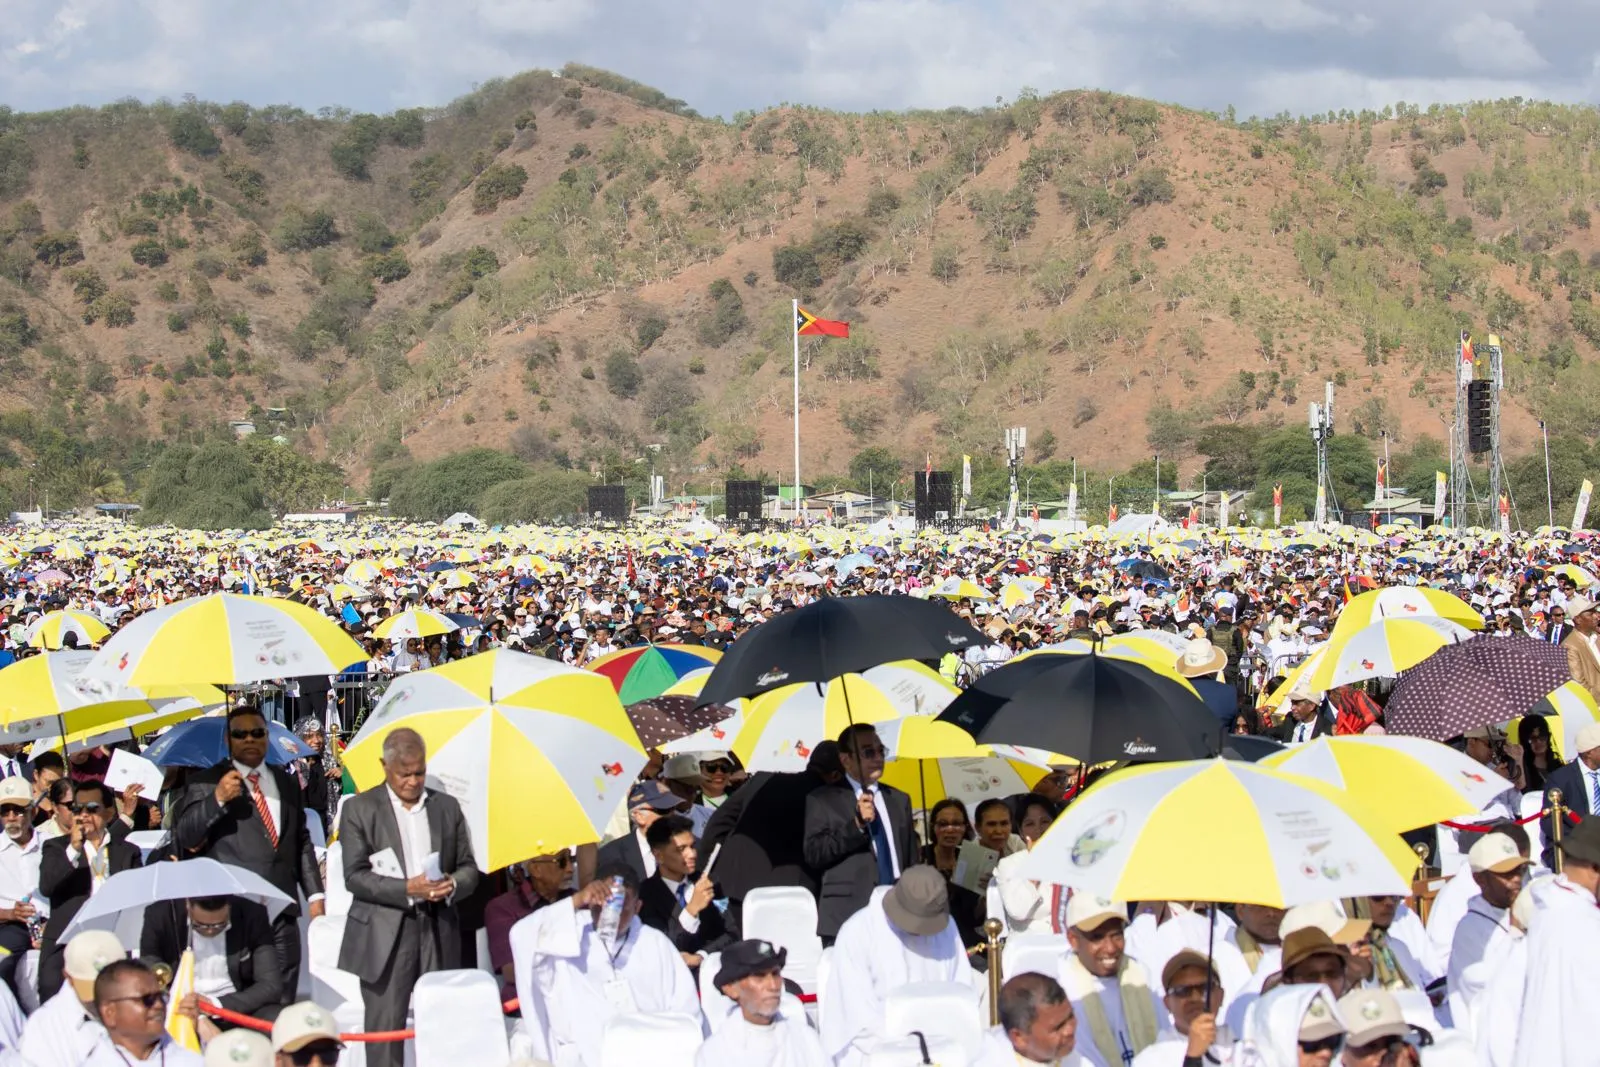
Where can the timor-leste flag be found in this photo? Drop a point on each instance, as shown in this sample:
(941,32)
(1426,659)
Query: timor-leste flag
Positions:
(808,325)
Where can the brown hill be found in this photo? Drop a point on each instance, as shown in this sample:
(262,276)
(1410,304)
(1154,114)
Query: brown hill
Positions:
(575,268)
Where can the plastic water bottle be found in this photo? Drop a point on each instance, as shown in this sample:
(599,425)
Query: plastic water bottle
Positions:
(35,923)
(610,921)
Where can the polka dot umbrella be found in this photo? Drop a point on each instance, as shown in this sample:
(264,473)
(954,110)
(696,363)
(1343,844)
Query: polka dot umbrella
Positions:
(1475,683)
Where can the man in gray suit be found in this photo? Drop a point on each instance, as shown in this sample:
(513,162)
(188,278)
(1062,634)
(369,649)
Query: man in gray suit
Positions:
(407,860)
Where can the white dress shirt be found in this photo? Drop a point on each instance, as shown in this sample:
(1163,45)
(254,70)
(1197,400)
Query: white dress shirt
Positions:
(690,923)
(416,842)
(883,813)
(1590,778)
(19,869)
(269,791)
(211,977)
(97,859)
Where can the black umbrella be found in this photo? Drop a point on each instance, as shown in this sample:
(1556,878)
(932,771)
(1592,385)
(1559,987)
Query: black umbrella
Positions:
(1477,682)
(834,636)
(1250,748)
(1093,708)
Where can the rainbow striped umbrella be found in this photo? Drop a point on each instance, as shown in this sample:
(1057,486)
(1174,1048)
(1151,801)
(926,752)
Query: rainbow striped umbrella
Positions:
(646,671)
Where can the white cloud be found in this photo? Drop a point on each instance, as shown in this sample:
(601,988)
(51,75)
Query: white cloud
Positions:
(725,55)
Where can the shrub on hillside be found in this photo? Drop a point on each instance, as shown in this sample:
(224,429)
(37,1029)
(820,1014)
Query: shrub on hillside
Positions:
(623,376)
(300,230)
(433,491)
(149,253)
(59,249)
(498,183)
(389,267)
(726,316)
(190,132)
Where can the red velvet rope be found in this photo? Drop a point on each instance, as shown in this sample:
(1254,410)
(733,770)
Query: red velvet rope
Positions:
(1482,827)
(250,1023)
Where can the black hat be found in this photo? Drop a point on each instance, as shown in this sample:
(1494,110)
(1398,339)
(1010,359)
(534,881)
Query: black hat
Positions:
(1582,842)
(744,958)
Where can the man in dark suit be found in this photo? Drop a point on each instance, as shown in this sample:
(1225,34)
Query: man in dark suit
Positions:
(232,929)
(1559,629)
(761,828)
(647,802)
(1579,782)
(1305,720)
(407,862)
(251,815)
(72,868)
(859,834)
(673,901)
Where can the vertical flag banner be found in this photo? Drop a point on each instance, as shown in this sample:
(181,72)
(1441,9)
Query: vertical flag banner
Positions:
(1322,504)
(1382,483)
(1441,482)
(807,325)
(1505,514)
(1072,502)
(1111,516)
(966,478)
(1581,512)
(1467,358)
(1277,504)
(1222,510)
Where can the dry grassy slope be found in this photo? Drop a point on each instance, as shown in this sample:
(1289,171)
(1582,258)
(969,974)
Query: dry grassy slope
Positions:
(1216,231)
(910,313)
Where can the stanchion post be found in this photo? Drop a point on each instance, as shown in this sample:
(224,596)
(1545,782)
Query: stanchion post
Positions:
(1556,819)
(991,931)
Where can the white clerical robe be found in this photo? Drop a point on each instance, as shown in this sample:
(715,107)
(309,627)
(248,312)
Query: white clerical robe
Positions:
(61,1033)
(1563,981)
(1481,943)
(788,1041)
(1500,1007)
(872,958)
(1448,909)
(1110,991)
(1026,902)
(1413,948)
(1153,945)
(1171,1048)
(998,1052)
(570,985)
(166,1054)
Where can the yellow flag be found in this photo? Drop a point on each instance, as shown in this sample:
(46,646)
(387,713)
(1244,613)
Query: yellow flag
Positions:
(181,1027)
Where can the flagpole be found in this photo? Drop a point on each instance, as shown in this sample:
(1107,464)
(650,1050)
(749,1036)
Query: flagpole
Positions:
(794,326)
(1549,488)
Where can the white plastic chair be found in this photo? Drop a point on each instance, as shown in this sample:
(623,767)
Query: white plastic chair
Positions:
(146,841)
(459,1020)
(662,1039)
(712,1001)
(1036,953)
(787,917)
(338,898)
(995,907)
(911,1052)
(824,973)
(1532,804)
(946,1010)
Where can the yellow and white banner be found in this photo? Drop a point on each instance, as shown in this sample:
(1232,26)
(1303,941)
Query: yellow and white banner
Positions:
(1441,482)
(1581,512)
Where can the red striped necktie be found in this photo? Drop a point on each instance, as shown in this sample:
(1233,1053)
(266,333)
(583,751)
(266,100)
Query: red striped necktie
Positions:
(254,779)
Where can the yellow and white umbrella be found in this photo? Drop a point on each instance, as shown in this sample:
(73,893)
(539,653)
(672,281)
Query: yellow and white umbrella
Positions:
(960,589)
(414,622)
(224,639)
(1221,830)
(539,755)
(43,695)
(1382,650)
(362,571)
(1408,782)
(1572,708)
(51,629)
(1404,602)
(779,729)
(930,760)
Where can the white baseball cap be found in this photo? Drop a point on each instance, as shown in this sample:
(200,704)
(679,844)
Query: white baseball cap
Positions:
(1495,852)
(1329,917)
(239,1048)
(1085,911)
(1587,740)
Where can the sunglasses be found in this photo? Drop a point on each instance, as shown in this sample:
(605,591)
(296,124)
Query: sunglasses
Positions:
(1328,1044)
(1184,992)
(255,735)
(146,1000)
(12,809)
(88,808)
(716,768)
(321,1052)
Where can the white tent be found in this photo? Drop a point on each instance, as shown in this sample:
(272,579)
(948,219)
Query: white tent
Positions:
(1137,524)
(460,518)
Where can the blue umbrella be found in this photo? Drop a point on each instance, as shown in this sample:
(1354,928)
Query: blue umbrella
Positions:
(466,622)
(852,562)
(200,743)
(439,565)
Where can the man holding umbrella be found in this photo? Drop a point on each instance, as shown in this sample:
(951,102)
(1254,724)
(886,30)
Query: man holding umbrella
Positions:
(249,814)
(859,833)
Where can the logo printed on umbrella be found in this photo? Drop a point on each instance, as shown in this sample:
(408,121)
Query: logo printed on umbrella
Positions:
(957,640)
(611,770)
(801,750)
(1100,838)
(1367,665)
(718,732)
(772,677)
(1139,747)
(1473,777)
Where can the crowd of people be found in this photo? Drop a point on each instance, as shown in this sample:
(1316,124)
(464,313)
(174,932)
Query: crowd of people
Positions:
(650,919)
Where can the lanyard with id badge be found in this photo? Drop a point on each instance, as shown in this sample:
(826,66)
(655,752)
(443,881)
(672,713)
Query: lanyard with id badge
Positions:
(614,939)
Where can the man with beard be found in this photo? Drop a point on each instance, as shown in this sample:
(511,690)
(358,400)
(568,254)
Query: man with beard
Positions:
(760,1033)
(20,850)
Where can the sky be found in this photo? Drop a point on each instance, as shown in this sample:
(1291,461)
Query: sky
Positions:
(723,56)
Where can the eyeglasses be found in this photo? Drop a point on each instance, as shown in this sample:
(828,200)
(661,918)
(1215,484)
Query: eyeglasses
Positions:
(871,752)
(146,1000)
(255,735)
(716,768)
(89,808)
(12,809)
(1327,1044)
(1184,992)
(321,1052)
(1374,1048)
